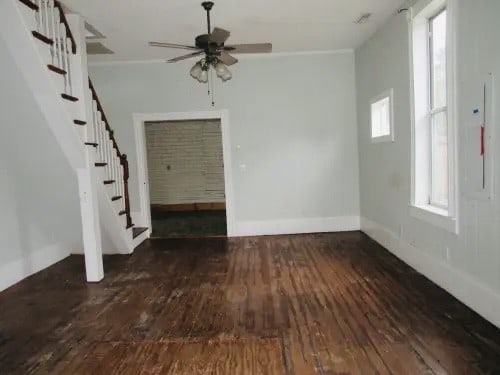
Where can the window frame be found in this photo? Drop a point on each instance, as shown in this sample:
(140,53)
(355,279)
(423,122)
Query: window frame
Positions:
(387,94)
(433,111)
(422,110)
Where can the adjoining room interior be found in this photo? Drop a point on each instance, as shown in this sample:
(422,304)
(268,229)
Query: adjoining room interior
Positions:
(253,187)
(186,178)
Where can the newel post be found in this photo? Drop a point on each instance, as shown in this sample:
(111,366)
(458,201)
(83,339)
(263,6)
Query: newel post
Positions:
(124,163)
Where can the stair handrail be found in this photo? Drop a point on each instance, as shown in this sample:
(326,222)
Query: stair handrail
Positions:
(99,107)
(122,157)
(63,20)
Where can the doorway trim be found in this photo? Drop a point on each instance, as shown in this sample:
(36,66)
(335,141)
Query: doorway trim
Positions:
(140,120)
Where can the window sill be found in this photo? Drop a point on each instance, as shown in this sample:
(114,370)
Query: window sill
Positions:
(382,138)
(435,216)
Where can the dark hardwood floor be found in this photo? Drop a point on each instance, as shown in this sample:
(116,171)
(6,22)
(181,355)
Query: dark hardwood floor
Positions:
(303,304)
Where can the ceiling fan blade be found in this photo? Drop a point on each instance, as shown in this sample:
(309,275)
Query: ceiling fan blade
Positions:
(171,45)
(219,36)
(184,57)
(250,48)
(227,59)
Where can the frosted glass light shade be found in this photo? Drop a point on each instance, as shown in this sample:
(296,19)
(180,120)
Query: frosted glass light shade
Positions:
(196,70)
(203,76)
(221,69)
(226,76)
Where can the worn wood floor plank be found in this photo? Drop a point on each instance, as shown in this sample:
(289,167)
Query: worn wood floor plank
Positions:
(305,304)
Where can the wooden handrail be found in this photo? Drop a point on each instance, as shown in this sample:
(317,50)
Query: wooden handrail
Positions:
(63,20)
(106,122)
(123,157)
(126,175)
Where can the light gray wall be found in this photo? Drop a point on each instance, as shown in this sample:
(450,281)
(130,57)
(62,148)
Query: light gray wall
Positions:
(383,63)
(39,217)
(292,116)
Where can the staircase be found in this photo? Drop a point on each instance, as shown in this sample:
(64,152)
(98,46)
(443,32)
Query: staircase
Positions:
(91,147)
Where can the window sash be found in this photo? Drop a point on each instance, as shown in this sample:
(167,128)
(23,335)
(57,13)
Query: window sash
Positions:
(436,170)
(431,59)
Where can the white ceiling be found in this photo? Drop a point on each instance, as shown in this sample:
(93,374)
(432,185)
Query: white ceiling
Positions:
(290,25)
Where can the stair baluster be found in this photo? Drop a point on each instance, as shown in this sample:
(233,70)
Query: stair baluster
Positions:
(117,168)
(57,39)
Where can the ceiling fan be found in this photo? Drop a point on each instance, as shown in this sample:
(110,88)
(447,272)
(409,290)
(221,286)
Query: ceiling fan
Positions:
(212,45)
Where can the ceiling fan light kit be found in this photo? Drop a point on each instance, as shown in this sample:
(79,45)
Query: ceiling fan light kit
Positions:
(216,52)
(200,69)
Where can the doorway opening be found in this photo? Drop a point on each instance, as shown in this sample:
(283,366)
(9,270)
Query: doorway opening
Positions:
(185,164)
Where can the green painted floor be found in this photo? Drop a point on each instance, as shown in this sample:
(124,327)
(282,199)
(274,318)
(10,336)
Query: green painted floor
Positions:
(188,224)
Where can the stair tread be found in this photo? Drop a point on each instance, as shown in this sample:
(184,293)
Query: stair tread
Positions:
(91,144)
(137,231)
(101,164)
(30,4)
(108,182)
(122,212)
(56,69)
(116,198)
(69,97)
(42,37)
(80,122)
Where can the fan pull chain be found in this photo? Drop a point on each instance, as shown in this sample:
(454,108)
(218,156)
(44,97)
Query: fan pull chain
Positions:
(209,83)
(212,91)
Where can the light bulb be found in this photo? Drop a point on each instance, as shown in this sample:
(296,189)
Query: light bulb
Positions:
(226,76)
(221,69)
(203,77)
(196,70)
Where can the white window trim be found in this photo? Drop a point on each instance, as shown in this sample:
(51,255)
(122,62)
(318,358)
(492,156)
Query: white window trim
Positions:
(389,137)
(445,219)
(435,216)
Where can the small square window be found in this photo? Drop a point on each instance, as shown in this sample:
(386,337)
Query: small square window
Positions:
(382,118)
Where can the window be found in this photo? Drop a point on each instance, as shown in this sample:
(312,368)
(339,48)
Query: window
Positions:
(382,118)
(433,161)
(437,112)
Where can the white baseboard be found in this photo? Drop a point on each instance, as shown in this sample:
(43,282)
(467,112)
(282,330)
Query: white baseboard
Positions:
(478,296)
(17,270)
(292,226)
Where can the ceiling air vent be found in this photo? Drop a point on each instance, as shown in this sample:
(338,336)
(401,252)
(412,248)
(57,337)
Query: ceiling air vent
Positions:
(97,48)
(363,18)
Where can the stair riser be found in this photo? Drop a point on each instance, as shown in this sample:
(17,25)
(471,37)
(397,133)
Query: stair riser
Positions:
(73,109)
(102,175)
(111,190)
(44,50)
(123,221)
(118,205)
(58,79)
(28,16)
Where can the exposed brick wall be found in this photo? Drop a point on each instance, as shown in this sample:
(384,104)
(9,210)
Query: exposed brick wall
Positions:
(185,162)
